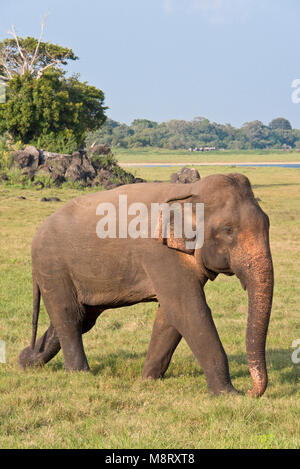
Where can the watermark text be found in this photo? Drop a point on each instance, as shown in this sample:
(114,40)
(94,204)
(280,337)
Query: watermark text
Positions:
(182,221)
(296,353)
(2,351)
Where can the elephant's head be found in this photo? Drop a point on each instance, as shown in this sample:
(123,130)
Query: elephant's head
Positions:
(236,241)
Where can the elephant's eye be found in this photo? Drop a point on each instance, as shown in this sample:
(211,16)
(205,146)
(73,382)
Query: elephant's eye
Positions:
(228,230)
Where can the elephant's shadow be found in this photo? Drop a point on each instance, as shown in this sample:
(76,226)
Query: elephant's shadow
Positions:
(277,360)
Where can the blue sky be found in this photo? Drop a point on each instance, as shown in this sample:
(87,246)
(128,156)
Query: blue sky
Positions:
(227,60)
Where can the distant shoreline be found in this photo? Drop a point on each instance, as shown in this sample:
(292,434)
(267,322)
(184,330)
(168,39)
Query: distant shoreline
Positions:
(247,163)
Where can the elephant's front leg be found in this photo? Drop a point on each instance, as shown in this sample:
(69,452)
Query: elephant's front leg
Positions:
(198,329)
(163,343)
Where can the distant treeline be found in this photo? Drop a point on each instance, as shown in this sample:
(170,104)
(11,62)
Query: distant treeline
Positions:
(200,132)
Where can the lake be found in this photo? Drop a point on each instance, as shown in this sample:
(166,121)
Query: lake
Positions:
(258,165)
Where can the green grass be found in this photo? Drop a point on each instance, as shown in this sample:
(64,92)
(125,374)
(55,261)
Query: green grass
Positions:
(111,407)
(157,155)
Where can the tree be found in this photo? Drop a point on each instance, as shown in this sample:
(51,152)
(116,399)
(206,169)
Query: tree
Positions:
(52,112)
(2,92)
(43,107)
(257,133)
(31,56)
(143,124)
(280,123)
(199,119)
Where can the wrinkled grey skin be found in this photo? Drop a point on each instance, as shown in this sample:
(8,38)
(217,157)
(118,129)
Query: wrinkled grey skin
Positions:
(80,275)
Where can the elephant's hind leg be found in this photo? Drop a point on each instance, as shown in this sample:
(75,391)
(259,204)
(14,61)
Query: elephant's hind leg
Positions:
(47,346)
(67,316)
(163,343)
(70,332)
(45,349)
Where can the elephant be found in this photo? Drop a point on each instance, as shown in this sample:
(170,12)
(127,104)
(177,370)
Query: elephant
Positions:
(79,275)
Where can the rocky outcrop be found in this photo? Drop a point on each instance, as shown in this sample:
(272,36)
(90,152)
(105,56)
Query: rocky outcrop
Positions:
(185,176)
(28,158)
(97,167)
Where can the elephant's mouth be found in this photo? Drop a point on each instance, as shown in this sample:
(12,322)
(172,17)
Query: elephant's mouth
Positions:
(243,283)
(210,273)
(242,280)
(229,274)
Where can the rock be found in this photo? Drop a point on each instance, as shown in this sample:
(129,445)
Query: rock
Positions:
(3,177)
(100,149)
(185,176)
(29,157)
(74,172)
(50,199)
(77,167)
(30,172)
(87,167)
(174,178)
(58,179)
(34,152)
(44,170)
(59,163)
(39,185)
(21,197)
(48,157)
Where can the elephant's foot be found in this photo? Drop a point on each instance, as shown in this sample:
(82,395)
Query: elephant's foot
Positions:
(227,389)
(152,372)
(78,364)
(29,358)
(46,348)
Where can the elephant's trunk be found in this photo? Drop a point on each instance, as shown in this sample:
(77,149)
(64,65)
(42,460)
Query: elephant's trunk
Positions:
(260,282)
(258,278)
(252,263)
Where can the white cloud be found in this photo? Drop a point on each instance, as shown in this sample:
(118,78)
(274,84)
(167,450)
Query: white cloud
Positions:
(168,6)
(216,11)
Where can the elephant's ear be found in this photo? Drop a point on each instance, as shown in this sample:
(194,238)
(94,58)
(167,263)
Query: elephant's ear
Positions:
(173,217)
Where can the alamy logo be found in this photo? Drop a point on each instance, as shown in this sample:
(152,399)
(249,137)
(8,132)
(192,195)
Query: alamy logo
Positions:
(296,93)
(2,351)
(179,220)
(2,92)
(296,353)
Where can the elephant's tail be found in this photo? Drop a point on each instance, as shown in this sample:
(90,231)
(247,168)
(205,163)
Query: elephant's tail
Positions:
(36,310)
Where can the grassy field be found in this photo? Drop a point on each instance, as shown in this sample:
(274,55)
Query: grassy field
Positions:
(152,155)
(111,407)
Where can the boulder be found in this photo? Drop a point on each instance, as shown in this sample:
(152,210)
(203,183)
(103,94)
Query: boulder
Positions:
(87,167)
(29,157)
(185,176)
(30,172)
(50,199)
(74,172)
(99,149)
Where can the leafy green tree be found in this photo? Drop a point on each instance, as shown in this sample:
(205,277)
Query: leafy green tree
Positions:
(280,123)
(51,112)
(143,124)
(42,106)
(257,133)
